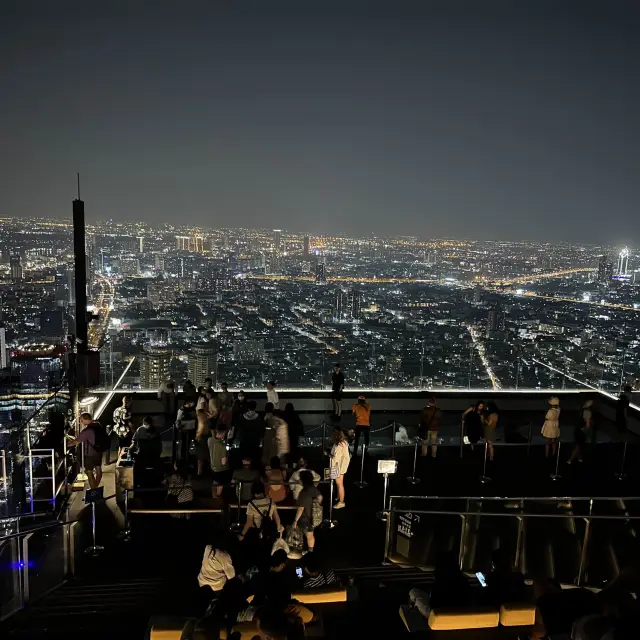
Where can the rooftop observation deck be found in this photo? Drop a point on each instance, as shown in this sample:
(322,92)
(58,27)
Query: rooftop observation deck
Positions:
(578,528)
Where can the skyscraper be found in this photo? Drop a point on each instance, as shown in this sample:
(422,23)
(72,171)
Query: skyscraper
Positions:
(277,236)
(605,269)
(355,302)
(16,267)
(306,250)
(140,244)
(339,305)
(154,367)
(3,346)
(182,243)
(495,320)
(202,362)
(320,273)
(623,263)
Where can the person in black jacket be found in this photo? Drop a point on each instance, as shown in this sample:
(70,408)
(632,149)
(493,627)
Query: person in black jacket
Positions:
(296,431)
(250,430)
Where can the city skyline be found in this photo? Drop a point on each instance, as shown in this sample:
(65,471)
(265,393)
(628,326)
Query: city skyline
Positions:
(463,119)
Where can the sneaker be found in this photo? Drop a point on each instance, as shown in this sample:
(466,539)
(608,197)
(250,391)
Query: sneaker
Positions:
(340,505)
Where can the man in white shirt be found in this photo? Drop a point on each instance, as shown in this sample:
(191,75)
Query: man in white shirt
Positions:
(295,484)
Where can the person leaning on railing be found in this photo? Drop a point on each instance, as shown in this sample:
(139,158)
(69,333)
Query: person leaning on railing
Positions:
(362,412)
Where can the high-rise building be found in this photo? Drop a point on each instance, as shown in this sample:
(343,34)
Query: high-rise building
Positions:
(277,237)
(196,244)
(605,269)
(495,320)
(155,363)
(340,304)
(355,303)
(16,267)
(623,263)
(307,247)
(140,244)
(432,257)
(159,261)
(321,275)
(477,294)
(182,243)
(3,347)
(202,362)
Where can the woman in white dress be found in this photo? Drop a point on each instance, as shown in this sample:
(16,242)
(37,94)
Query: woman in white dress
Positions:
(551,427)
(340,458)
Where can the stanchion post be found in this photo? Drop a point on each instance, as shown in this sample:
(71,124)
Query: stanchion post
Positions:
(585,544)
(125,536)
(393,440)
(382,515)
(94,550)
(330,523)
(324,437)
(556,475)
(621,475)
(362,482)
(236,526)
(412,479)
(484,478)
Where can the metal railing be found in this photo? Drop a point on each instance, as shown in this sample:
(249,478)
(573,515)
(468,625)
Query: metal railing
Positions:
(473,512)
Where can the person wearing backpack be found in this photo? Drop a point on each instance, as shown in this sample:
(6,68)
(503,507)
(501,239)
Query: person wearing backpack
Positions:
(309,513)
(263,521)
(95,442)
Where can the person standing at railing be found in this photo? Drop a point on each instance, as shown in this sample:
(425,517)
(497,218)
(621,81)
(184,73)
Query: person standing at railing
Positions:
(337,387)
(272,395)
(123,424)
(551,427)
(200,445)
(428,429)
(490,426)
(362,412)
(167,395)
(582,428)
(473,422)
(340,459)
(94,440)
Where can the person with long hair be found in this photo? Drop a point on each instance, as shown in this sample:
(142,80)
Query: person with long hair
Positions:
(304,514)
(551,427)
(490,425)
(473,421)
(201,447)
(123,424)
(216,569)
(340,459)
(582,428)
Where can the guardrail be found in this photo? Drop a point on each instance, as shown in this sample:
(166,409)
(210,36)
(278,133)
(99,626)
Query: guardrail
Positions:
(517,504)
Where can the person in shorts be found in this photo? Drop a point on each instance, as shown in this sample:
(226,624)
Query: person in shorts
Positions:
(428,429)
(92,457)
(219,457)
(304,514)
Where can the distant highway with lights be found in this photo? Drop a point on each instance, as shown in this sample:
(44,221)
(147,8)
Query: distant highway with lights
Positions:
(103,303)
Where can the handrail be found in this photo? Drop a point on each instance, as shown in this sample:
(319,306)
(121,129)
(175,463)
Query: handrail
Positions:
(534,498)
(50,525)
(515,514)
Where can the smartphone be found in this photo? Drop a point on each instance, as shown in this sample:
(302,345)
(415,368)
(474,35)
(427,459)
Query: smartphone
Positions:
(481,579)
(299,572)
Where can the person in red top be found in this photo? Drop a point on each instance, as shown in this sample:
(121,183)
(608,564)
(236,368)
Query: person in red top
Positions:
(362,412)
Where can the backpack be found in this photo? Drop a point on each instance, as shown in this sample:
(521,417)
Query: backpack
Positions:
(268,529)
(102,442)
(317,514)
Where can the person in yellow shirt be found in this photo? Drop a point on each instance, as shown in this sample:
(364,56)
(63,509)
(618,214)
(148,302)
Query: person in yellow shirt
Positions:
(362,412)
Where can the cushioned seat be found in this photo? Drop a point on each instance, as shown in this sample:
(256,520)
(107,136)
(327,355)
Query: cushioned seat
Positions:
(321,596)
(517,614)
(450,619)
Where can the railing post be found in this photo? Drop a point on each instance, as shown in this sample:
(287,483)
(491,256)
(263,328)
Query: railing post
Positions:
(463,541)
(387,534)
(236,526)
(125,535)
(324,438)
(24,565)
(519,542)
(412,478)
(362,484)
(585,544)
(621,474)
(556,475)
(484,478)
(94,550)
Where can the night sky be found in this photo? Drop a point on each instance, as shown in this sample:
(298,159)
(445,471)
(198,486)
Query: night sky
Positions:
(497,120)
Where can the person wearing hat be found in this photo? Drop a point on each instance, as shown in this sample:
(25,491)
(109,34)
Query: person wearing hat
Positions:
(551,427)
(337,386)
(583,427)
(362,412)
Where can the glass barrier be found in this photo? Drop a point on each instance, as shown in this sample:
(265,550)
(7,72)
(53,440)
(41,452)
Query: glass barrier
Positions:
(45,552)
(575,540)
(10,577)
